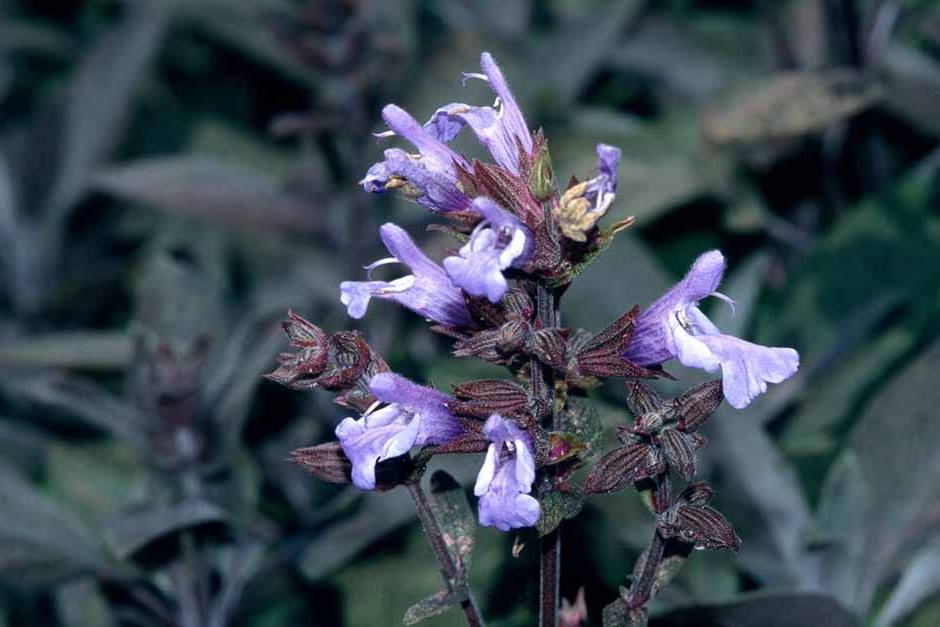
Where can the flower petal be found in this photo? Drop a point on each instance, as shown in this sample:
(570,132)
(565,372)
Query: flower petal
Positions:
(747,368)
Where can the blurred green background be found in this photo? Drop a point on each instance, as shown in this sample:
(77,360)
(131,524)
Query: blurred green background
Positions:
(175,175)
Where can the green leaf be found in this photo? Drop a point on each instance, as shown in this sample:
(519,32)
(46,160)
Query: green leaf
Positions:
(454,516)
(896,443)
(132,531)
(920,581)
(41,541)
(437,603)
(92,350)
(557,506)
(766,610)
(791,104)
(80,603)
(616,614)
(209,189)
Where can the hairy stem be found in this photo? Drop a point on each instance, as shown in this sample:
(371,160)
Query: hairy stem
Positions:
(542,383)
(449,569)
(641,589)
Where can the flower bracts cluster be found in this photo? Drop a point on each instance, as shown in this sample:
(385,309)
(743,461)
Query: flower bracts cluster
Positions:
(522,238)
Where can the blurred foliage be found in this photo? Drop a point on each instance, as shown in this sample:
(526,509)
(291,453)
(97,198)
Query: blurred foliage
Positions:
(174,175)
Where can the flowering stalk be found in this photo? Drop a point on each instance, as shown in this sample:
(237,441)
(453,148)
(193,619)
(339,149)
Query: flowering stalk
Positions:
(535,428)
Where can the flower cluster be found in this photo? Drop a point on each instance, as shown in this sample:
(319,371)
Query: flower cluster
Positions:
(513,223)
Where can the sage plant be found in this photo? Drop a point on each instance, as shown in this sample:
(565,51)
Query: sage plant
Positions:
(522,241)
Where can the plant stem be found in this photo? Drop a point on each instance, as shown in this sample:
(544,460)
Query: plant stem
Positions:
(641,589)
(542,383)
(449,570)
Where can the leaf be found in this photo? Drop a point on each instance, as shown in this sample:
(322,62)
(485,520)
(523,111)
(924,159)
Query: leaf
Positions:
(920,581)
(626,273)
(84,127)
(41,541)
(581,420)
(763,484)
(895,442)
(454,516)
(555,507)
(85,400)
(616,614)
(128,533)
(81,603)
(576,50)
(245,29)
(209,189)
(764,609)
(92,350)
(840,524)
(437,603)
(791,104)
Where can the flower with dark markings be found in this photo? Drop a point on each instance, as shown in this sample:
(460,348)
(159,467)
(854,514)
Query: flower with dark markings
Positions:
(496,243)
(674,326)
(412,415)
(506,478)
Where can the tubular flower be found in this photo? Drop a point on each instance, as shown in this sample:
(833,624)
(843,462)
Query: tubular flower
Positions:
(506,478)
(583,204)
(674,326)
(497,242)
(430,177)
(500,128)
(427,291)
(413,416)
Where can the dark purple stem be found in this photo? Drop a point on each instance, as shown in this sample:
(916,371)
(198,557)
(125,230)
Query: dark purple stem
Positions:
(641,589)
(542,383)
(449,569)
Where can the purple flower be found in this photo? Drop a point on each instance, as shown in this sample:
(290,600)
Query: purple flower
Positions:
(502,129)
(413,416)
(497,242)
(427,291)
(429,177)
(601,189)
(506,477)
(674,326)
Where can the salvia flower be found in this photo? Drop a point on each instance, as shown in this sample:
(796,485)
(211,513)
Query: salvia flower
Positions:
(412,415)
(429,177)
(583,204)
(427,291)
(674,326)
(506,478)
(500,128)
(498,241)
